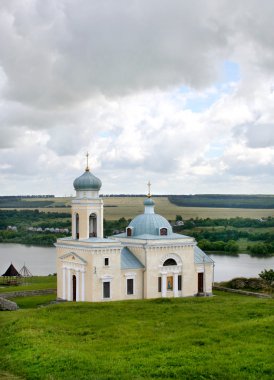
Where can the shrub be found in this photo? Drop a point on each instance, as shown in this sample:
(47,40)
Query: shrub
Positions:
(245,283)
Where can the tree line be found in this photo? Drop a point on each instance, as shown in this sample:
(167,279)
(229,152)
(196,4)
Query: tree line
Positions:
(223,200)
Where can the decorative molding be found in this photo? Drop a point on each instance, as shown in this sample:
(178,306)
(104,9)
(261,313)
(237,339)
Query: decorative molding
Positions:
(88,249)
(130,275)
(173,256)
(200,268)
(106,278)
(72,255)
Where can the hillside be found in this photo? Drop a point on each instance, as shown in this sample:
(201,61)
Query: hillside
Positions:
(222,337)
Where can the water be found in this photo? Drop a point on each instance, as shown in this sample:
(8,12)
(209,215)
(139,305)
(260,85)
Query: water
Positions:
(228,267)
(41,261)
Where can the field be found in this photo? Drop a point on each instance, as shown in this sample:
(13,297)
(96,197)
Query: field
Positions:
(128,207)
(222,337)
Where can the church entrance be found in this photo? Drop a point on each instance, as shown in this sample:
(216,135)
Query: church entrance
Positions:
(74,288)
(200,282)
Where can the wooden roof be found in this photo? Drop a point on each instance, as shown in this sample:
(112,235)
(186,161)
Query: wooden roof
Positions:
(11,272)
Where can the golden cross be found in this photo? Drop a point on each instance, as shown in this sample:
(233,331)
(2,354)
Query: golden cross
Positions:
(149,186)
(87,168)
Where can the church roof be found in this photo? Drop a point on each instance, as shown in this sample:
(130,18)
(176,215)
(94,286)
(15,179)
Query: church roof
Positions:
(171,236)
(129,261)
(200,257)
(87,181)
(149,224)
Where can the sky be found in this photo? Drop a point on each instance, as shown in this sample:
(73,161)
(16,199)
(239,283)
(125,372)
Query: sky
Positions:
(180,93)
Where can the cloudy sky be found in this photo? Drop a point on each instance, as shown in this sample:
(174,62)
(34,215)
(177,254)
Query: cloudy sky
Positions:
(178,92)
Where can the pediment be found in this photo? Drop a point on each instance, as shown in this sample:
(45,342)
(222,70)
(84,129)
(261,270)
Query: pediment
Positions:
(73,257)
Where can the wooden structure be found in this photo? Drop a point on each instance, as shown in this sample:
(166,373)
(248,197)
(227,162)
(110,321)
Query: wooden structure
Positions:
(11,276)
(25,272)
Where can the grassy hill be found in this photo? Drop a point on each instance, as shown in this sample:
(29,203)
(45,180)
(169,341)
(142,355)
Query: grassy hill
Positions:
(222,337)
(128,207)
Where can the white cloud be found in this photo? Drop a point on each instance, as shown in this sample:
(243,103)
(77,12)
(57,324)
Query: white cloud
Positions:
(138,85)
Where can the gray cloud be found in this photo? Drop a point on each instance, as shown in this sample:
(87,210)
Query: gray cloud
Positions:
(257,135)
(59,53)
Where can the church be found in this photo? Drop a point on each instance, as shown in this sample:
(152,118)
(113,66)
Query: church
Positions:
(148,260)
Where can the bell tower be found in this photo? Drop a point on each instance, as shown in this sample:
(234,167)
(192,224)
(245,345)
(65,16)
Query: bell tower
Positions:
(87,207)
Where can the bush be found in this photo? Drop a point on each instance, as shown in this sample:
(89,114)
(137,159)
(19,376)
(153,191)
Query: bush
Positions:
(245,283)
(267,277)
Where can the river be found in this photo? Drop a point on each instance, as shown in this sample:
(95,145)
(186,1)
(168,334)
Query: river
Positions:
(41,262)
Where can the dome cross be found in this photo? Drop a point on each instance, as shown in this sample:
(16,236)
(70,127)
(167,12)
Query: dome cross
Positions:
(87,168)
(149,187)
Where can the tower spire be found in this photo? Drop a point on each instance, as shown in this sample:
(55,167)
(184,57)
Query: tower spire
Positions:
(87,168)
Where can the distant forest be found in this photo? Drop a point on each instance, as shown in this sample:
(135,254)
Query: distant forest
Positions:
(222,200)
(19,201)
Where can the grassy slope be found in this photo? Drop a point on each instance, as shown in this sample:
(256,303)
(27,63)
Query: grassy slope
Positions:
(130,207)
(223,337)
(32,283)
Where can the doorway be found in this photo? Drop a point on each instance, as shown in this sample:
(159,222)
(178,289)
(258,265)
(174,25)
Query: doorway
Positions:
(200,282)
(74,288)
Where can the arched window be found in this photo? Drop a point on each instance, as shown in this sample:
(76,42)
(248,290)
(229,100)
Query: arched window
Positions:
(163,231)
(129,231)
(169,262)
(92,225)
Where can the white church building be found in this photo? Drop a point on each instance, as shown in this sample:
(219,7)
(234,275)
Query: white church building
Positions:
(148,260)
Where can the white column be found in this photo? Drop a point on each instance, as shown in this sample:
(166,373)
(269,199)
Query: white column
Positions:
(77,286)
(163,284)
(83,286)
(175,284)
(64,284)
(69,285)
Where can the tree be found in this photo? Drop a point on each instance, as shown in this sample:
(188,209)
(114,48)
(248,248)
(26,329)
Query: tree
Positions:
(231,246)
(268,277)
(178,218)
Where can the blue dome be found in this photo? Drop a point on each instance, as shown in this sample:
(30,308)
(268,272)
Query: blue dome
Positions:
(149,224)
(149,202)
(87,181)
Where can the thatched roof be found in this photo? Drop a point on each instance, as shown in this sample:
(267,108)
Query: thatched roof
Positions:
(11,272)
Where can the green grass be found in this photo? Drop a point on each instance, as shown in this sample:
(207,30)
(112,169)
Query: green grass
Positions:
(32,283)
(34,302)
(223,337)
